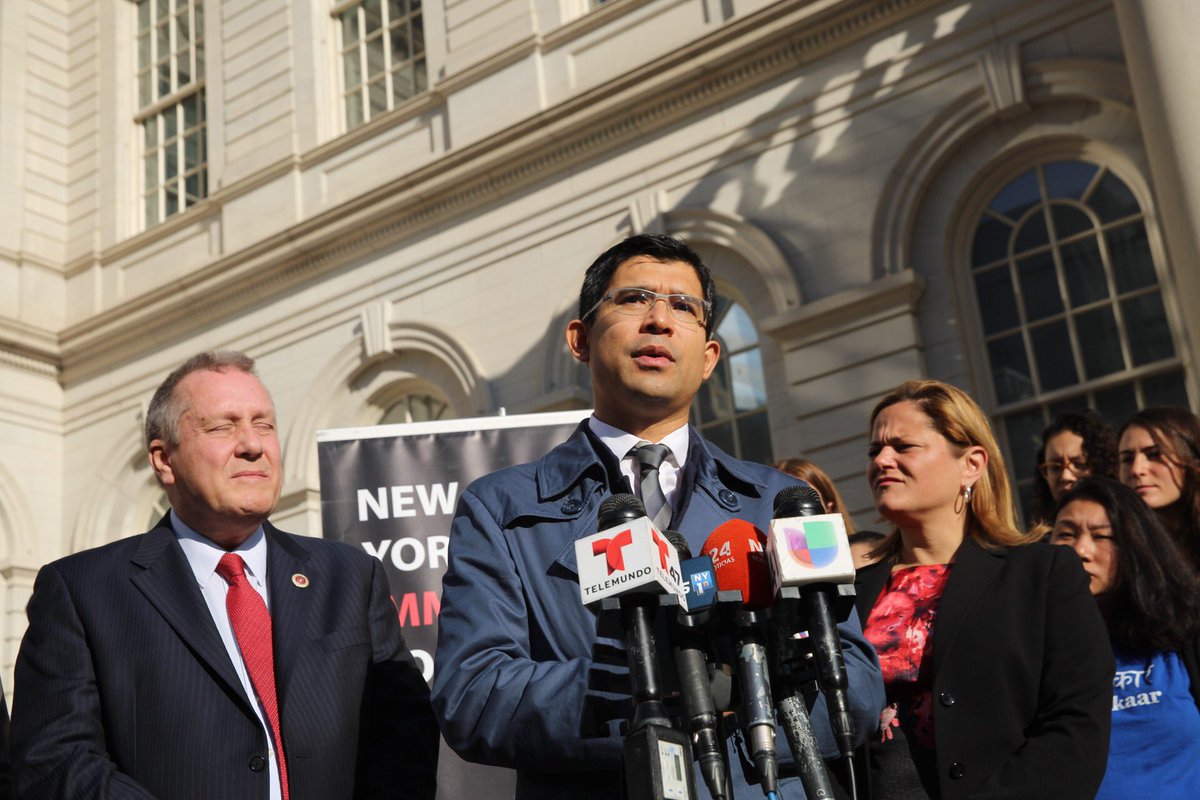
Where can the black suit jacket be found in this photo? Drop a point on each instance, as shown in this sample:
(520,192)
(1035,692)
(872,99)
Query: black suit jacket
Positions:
(1022,674)
(125,690)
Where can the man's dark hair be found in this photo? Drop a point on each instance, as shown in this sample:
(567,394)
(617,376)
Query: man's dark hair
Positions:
(652,245)
(1099,446)
(162,416)
(1154,603)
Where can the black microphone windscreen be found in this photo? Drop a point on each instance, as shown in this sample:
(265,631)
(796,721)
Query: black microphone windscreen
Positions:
(679,543)
(619,508)
(797,501)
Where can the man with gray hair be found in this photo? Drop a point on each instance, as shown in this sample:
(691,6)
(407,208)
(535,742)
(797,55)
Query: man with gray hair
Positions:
(216,656)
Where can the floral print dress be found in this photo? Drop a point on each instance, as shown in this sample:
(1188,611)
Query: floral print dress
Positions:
(900,627)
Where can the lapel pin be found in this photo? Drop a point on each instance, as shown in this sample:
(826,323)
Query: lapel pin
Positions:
(300,581)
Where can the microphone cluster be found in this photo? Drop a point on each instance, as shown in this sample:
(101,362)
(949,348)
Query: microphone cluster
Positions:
(774,597)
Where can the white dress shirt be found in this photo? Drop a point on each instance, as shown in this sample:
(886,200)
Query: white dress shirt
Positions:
(621,443)
(202,555)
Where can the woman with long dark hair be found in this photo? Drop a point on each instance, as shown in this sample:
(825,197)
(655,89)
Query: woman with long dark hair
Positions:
(1159,458)
(1149,596)
(995,659)
(1075,445)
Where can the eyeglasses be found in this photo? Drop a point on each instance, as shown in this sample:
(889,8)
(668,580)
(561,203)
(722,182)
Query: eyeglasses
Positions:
(635,302)
(1053,470)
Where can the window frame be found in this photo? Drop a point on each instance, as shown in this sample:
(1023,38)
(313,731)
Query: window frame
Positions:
(418,60)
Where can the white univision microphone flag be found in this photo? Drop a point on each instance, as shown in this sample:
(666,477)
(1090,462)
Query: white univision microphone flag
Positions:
(804,550)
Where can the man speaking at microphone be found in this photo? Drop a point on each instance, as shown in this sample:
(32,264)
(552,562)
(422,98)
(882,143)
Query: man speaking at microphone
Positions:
(515,642)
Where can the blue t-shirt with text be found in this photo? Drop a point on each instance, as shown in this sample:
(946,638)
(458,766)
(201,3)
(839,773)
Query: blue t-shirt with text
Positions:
(1155,748)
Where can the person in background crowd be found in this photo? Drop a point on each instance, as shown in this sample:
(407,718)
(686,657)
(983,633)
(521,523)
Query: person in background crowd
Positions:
(1149,596)
(816,477)
(1159,455)
(1075,445)
(995,658)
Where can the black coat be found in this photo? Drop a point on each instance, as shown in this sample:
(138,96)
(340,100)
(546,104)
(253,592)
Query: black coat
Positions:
(1022,674)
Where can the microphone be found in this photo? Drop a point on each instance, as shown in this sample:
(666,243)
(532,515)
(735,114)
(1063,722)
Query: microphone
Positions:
(808,551)
(736,548)
(630,563)
(691,665)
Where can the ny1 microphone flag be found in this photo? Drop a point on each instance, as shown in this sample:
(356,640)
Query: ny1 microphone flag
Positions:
(631,557)
(392,490)
(804,550)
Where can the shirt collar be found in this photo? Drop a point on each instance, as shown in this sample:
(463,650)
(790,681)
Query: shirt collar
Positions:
(620,442)
(203,553)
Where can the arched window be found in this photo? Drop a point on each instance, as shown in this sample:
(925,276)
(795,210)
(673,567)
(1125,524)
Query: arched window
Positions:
(1069,304)
(416,408)
(731,408)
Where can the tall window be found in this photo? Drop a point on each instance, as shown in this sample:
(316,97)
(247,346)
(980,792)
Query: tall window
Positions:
(1070,305)
(170,45)
(383,56)
(731,408)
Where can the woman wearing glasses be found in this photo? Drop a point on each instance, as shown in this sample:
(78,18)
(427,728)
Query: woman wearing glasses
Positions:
(1159,454)
(1075,445)
(1150,598)
(995,659)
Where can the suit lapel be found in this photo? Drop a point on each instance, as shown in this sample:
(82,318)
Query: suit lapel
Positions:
(974,569)
(291,603)
(163,575)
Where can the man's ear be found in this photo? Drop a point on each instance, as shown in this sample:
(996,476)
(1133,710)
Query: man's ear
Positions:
(160,462)
(712,353)
(577,340)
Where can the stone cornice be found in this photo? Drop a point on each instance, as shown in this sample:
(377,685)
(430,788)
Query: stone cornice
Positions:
(28,348)
(734,59)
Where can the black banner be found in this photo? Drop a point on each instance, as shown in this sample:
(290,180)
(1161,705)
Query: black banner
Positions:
(391,489)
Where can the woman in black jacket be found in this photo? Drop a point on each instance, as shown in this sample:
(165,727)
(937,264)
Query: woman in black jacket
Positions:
(995,658)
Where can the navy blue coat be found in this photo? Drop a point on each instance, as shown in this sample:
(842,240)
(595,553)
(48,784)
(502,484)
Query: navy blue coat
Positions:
(124,688)
(515,641)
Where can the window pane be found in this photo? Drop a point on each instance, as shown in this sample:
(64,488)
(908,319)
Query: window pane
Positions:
(1017,197)
(164,41)
(150,132)
(1165,390)
(1099,342)
(396,10)
(991,241)
(422,78)
(737,330)
(350,27)
(997,304)
(143,14)
(1084,271)
(400,51)
(199,21)
(1024,438)
(194,192)
(402,84)
(354,110)
(183,67)
(1051,346)
(1039,286)
(170,160)
(172,194)
(1133,266)
(1077,403)
(1112,199)
(144,57)
(1146,326)
(749,387)
(170,122)
(374,57)
(199,60)
(1069,220)
(1010,369)
(352,69)
(191,152)
(715,396)
(150,170)
(162,8)
(377,92)
(145,88)
(374,16)
(1033,234)
(1068,178)
(1116,404)
(182,33)
(152,209)
(191,109)
(754,438)
(164,78)
(418,34)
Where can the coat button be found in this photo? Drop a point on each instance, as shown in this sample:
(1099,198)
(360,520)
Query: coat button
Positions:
(572,506)
(956,770)
(258,764)
(727,498)
(947,699)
